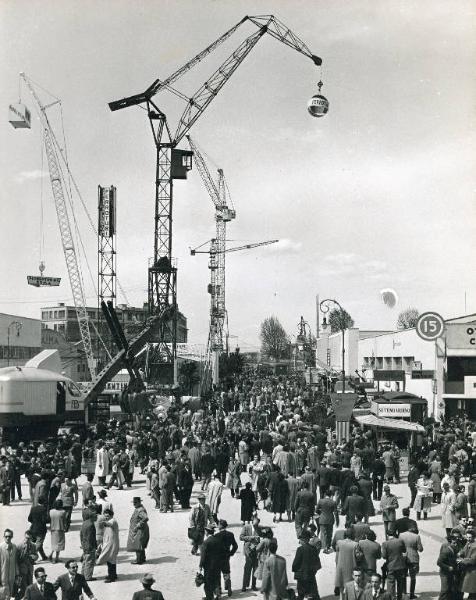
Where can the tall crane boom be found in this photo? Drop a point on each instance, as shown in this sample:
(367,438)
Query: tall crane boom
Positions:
(173,163)
(72,263)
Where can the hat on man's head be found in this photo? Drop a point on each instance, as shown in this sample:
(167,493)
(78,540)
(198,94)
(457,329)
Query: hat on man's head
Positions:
(201,497)
(305,535)
(102,493)
(148,578)
(137,499)
(210,528)
(386,487)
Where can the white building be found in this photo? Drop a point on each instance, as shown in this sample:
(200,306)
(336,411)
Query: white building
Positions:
(20,339)
(443,372)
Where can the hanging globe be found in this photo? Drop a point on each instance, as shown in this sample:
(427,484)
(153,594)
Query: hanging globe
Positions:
(318,105)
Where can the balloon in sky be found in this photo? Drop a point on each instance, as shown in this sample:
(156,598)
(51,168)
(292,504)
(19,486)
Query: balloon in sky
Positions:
(389,297)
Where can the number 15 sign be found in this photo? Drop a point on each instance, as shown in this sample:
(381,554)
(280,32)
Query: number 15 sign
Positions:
(430,326)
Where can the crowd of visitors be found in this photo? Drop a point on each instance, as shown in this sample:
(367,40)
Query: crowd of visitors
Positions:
(264,441)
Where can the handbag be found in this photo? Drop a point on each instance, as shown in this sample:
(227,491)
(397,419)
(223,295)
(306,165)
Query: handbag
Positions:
(359,554)
(199,579)
(193,533)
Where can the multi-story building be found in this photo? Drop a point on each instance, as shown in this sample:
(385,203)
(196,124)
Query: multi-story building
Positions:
(63,318)
(20,339)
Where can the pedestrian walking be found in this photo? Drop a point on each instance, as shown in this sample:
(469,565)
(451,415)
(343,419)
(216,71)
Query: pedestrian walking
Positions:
(38,519)
(354,590)
(27,556)
(448,501)
(200,517)
(374,590)
(109,547)
(388,506)
(393,552)
(305,565)
(215,489)
(447,562)
(413,547)
(102,463)
(328,516)
(468,564)
(248,503)
(250,536)
(88,546)
(228,542)
(57,530)
(138,537)
(72,584)
(345,561)
(41,589)
(210,561)
(274,585)
(424,496)
(147,593)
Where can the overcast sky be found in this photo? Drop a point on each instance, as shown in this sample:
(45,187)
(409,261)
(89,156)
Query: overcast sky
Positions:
(379,193)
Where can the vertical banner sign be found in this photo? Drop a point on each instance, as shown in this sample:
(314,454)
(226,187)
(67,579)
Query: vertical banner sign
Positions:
(343,405)
(107,211)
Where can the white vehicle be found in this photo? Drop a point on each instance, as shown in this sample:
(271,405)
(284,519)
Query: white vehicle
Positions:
(35,402)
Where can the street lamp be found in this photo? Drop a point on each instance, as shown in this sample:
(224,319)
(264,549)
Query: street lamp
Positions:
(324,307)
(17,325)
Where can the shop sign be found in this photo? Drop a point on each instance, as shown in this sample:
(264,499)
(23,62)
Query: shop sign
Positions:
(390,410)
(389,375)
(461,336)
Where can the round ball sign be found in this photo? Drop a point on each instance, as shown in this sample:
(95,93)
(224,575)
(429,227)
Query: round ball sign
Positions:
(318,106)
(430,326)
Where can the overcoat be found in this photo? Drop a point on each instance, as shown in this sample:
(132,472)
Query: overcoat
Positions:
(448,517)
(469,562)
(138,530)
(275,580)
(110,542)
(345,561)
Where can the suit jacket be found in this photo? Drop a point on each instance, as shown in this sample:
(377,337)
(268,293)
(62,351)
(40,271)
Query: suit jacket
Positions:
(372,552)
(393,551)
(413,545)
(404,524)
(72,592)
(447,559)
(32,592)
(350,593)
(211,554)
(38,518)
(306,563)
(275,580)
(368,595)
(327,509)
(228,541)
(353,506)
(148,595)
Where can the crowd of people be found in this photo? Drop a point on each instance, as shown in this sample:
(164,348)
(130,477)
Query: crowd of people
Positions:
(265,441)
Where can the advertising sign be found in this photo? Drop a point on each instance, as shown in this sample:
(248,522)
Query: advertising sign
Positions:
(39,281)
(461,336)
(107,211)
(430,326)
(399,411)
(343,405)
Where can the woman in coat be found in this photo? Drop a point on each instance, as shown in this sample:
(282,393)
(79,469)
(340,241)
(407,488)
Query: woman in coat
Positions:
(138,538)
(448,517)
(262,550)
(109,548)
(233,482)
(248,503)
(469,565)
(280,497)
(57,530)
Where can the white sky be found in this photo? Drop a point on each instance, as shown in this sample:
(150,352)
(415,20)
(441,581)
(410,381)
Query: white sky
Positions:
(379,193)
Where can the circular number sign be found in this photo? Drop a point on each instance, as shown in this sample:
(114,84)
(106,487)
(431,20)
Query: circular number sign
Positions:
(430,326)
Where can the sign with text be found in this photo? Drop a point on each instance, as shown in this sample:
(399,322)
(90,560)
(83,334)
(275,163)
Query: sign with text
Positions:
(39,281)
(461,336)
(400,411)
(430,326)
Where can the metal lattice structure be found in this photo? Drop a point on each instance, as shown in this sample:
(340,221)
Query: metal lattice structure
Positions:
(53,151)
(107,244)
(173,163)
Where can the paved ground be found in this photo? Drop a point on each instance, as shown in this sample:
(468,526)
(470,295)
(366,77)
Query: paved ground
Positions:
(173,566)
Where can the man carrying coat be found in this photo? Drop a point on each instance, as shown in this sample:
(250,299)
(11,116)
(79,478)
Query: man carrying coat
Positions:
(306,563)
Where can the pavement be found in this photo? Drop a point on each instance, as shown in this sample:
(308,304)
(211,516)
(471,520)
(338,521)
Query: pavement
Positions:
(174,568)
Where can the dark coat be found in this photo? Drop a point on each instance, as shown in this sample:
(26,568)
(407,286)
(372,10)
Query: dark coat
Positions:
(280,496)
(353,507)
(306,562)
(447,559)
(248,504)
(148,595)
(38,518)
(32,592)
(393,551)
(211,554)
(74,592)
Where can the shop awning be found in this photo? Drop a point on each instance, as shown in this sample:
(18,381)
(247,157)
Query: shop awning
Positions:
(374,421)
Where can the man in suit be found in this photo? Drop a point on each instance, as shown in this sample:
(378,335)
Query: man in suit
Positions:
(227,539)
(354,590)
(404,523)
(449,569)
(41,589)
(38,518)
(275,580)
(72,583)
(328,515)
(353,507)
(148,593)
(210,562)
(306,563)
(413,546)
(373,591)
(388,506)
(393,552)
(304,508)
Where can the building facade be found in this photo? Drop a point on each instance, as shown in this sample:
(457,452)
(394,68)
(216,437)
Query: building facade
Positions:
(20,339)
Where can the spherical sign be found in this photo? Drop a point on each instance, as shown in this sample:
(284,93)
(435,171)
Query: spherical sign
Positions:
(318,105)
(430,326)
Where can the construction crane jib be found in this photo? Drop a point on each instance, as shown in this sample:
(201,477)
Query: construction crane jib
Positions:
(53,152)
(174,164)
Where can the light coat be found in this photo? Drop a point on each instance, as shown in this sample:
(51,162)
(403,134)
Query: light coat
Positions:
(275,580)
(448,516)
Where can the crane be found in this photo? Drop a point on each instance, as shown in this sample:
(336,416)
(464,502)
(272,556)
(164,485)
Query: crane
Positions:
(218,313)
(60,191)
(172,163)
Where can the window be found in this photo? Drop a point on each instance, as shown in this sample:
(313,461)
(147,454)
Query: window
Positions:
(61,314)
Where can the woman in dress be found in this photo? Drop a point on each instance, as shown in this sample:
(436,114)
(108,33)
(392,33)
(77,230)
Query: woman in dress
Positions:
(109,548)
(57,530)
(423,496)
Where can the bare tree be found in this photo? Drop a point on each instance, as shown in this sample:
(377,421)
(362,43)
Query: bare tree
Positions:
(339,320)
(407,318)
(274,339)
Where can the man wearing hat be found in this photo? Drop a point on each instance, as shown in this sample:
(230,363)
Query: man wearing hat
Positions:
(306,563)
(200,516)
(138,531)
(388,506)
(227,539)
(211,556)
(148,593)
(102,502)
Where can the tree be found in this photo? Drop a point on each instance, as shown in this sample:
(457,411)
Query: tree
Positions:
(407,318)
(274,339)
(188,376)
(339,320)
